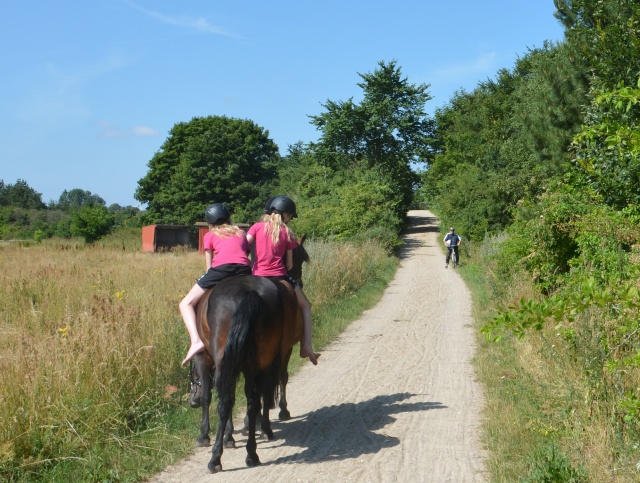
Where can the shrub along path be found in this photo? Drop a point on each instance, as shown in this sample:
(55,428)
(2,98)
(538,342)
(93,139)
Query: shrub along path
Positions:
(393,399)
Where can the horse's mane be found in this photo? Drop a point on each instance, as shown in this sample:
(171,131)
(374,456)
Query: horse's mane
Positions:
(303,254)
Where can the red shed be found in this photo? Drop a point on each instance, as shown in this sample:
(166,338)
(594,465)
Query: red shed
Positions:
(163,237)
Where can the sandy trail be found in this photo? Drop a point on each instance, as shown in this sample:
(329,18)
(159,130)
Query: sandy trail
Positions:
(393,399)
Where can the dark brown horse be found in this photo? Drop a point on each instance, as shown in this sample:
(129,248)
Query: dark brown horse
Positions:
(249,325)
(203,364)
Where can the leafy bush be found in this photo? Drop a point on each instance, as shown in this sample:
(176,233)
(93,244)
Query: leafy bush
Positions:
(91,222)
(549,465)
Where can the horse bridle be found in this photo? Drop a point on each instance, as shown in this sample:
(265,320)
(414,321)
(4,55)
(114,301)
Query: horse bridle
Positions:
(193,383)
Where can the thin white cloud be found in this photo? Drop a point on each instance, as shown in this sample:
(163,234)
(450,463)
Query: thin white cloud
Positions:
(110,131)
(482,65)
(199,24)
(144,131)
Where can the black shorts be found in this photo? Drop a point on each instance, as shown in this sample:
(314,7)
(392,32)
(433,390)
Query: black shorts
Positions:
(215,275)
(288,278)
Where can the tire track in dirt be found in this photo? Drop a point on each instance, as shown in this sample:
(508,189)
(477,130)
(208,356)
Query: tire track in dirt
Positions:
(393,399)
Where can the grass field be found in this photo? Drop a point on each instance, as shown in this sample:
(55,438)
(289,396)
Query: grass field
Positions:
(91,387)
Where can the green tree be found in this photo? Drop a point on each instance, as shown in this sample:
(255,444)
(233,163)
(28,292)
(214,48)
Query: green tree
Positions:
(20,195)
(76,198)
(481,169)
(607,148)
(550,104)
(125,216)
(206,160)
(91,222)
(607,34)
(389,130)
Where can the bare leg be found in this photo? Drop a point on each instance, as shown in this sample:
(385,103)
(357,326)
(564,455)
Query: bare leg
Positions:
(306,345)
(188,311)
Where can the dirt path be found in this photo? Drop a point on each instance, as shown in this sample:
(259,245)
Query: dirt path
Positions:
(394,399)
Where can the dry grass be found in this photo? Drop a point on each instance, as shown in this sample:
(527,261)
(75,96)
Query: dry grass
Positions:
(91,349)
(89,345)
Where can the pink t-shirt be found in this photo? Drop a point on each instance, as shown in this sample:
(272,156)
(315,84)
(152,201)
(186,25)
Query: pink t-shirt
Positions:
(269,257)
(232,249)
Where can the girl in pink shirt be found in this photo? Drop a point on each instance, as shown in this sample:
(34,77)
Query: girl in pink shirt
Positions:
(225,252)
(274,242)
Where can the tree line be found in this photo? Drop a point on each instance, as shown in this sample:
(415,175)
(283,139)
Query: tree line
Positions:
(356,182)
(76,213)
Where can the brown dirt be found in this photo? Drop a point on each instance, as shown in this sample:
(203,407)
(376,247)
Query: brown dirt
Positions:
(393,399)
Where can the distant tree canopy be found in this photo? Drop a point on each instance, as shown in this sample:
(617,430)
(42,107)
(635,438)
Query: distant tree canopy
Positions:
(387,132)
(75,199)
(502,142)
(212,159)
(356,181)
(20,195)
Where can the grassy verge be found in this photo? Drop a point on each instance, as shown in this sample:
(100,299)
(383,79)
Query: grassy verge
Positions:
(534,417)
(91,387)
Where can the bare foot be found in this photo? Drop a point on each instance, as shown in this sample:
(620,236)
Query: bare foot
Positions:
(193,350)
(313,356)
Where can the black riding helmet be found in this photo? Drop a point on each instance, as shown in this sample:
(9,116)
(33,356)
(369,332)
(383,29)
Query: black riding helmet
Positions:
(217,213)
(267,206)
(281,204)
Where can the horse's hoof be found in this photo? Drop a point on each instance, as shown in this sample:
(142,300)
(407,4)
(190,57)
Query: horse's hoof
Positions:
(229,443)
(251,462)
(214,468)
(268,435)
(284,415)
(245,431)
(202,442)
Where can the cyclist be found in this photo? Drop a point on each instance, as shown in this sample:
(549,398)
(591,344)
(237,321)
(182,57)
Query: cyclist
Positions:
(452,241)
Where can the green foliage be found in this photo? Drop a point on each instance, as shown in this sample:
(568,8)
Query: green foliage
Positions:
(20,195)
(607,35)
(389,130)
(608,146)
(75,199)
(38,236)
(353,204)
(18,223)
(550,103)
(501,144)
(91,222)
(550,465)
(206,160)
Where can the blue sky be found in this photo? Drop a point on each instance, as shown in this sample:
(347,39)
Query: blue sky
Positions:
(90,89)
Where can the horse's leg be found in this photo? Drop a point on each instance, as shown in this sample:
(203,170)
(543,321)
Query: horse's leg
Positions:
(284,414)
(228,441)
(205,401)
(265,424)
(253,407)
(225,405)
(245,427)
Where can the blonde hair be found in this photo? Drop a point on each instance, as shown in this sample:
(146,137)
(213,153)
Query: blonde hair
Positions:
(273,224)
(225,230)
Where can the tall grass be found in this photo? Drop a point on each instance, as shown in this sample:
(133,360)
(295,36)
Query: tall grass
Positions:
(552,407)
(91,387)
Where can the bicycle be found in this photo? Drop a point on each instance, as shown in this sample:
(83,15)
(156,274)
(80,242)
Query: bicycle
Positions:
(454,256)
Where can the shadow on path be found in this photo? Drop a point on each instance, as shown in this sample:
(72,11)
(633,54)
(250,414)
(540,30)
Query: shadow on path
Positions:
(343,431)
(418,224)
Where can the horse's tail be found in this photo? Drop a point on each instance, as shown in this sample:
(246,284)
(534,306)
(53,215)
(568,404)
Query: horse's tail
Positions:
(240,349)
